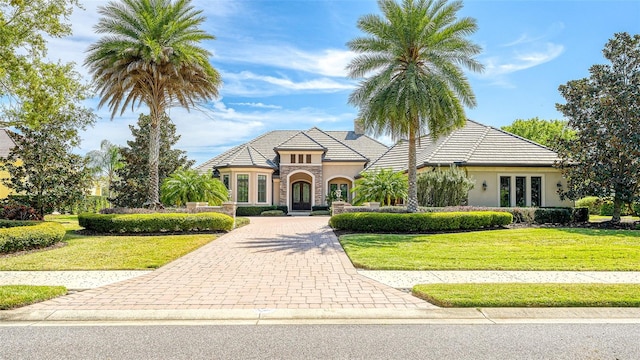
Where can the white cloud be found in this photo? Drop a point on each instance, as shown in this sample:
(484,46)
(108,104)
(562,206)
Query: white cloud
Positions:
(521,61)
(247,83)
(258,105)
(327,62)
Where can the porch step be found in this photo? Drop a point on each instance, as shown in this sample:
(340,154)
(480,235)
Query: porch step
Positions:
(299,213)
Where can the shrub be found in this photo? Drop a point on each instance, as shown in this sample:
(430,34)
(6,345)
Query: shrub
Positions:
(418,222)
(580,215)
(320,213)
(553,215)
(184,186)
(15,211)
(155,223)
(448,187)
(593,203)
(26,235)
(92,204)
(257,210)
(272,213)
(242,221)
(320,208)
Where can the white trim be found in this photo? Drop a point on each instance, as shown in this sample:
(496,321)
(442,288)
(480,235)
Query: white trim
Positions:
(289,185)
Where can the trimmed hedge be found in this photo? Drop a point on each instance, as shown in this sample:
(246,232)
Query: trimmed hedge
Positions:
(320,208)
(27,235)
(320,213)
(155,223)
(272,213)
(418,222)
(257,210)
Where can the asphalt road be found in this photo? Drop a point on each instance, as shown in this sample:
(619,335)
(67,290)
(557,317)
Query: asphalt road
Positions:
(585,341)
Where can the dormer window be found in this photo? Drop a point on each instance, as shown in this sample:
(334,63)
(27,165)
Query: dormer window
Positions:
(301,158)
(308,158)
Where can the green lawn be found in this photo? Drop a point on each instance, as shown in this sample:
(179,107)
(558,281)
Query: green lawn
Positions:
(530,295)
(83,252)
(12,296)
(510,249)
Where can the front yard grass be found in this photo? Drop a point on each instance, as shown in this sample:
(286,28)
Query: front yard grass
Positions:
(530,295)
(13,296)
(510,249)
(85,252)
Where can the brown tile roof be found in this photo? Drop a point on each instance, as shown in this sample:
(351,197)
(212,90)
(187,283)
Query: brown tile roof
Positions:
(472,145)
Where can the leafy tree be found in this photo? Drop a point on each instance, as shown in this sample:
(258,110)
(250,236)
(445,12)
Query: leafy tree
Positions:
(188,185)
(104,162)
(42,166)
(440,188)
(24,27)
(604,110)
(544,132)
(413,57)
(150,55)
(133,178)
(384,186)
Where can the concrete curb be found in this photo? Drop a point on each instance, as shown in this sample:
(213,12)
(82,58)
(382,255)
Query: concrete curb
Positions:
(333,316)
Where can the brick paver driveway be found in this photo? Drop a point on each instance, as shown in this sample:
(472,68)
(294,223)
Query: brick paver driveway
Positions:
(273,263)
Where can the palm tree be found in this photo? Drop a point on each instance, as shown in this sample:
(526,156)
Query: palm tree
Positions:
(105,162)
(150,55)
(384,186)
(188,185)
(413,56)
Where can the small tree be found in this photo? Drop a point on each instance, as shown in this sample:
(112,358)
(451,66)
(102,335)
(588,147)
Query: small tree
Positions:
(104,163)
(190,186)
(544,132)
(384,186)
(440,188)
(604,110)
(133,178)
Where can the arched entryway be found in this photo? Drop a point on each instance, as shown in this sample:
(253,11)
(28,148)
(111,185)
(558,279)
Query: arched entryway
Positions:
(301,196)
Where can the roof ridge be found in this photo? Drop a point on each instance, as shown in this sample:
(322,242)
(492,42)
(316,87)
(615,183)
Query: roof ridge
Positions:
(477,143)
(437,148)
(260,154)
(521,138)
(296,134)
(389,148)
(339,142)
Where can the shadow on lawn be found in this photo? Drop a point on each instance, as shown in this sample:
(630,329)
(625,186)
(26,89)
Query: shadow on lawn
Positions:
(626,233)
(322,242)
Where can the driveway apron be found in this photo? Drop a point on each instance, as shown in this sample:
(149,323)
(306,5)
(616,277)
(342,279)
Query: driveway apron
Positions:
(273,263)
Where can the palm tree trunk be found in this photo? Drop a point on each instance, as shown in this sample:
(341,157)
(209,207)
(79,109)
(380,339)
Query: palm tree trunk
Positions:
(412,203)
(153,197)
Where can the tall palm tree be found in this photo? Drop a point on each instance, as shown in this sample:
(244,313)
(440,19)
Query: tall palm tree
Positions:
(105,162)
(412,58)
(150,54)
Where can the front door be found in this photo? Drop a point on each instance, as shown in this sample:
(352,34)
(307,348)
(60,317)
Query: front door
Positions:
(301,196)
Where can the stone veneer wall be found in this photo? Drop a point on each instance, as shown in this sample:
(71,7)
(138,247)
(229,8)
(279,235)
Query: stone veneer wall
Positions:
(285,170)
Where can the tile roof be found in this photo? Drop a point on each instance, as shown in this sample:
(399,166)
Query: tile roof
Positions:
(6,143)
(261,151)
(473,144)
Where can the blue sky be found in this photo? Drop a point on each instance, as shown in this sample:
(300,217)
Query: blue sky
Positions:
(282,63)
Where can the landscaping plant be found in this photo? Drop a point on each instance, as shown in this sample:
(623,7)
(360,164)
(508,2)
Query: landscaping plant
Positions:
(190,186)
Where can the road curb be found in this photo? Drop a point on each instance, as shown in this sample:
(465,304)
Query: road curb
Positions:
(368,316)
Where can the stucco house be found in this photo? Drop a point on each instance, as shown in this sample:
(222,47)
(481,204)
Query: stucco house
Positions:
(300,168)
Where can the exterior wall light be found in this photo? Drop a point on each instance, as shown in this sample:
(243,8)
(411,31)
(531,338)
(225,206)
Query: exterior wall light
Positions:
(559,184)
(484,185)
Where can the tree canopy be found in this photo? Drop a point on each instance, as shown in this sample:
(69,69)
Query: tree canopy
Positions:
(133,178)
(150,54)
(411,60)
(543,132)
(604,111)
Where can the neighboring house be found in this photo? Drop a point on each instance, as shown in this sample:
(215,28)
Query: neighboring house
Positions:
(6,144)
(508,170)
(300,168)
(294,168)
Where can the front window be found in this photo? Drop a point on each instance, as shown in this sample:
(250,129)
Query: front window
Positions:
(300,158)
(536,191)
(293,158)
(262,188)
(225,181)
(308,158)
(243,188)
(521,190)
(505,191)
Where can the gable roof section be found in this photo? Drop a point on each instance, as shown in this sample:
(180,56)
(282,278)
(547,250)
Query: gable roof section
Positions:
(365,145)
(300,141)
(336,150)
(473,145)
(6,143)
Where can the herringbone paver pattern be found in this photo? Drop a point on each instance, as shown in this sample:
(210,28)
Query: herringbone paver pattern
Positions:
(273,263)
